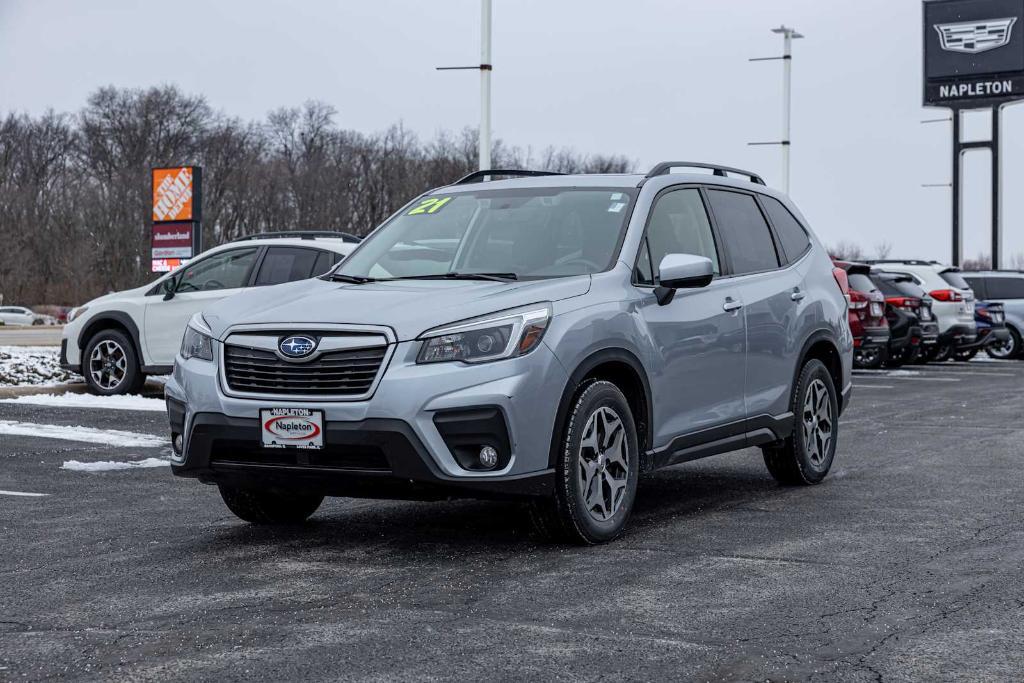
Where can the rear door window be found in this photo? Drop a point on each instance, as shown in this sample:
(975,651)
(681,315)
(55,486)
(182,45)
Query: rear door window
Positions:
(792,235)
(1005,288)
(748,240)
(286,264)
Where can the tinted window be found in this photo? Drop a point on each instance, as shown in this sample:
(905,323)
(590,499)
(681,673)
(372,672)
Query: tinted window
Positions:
(226,270)
(679,225)
(792,235)
(1005,287)
(286,264)
(903,286)
(642,273)
(955,279)
(861,282)
(744,231)
(324,262)
(978,285)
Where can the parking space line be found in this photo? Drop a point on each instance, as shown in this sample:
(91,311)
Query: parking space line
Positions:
(23,494)
(874,386)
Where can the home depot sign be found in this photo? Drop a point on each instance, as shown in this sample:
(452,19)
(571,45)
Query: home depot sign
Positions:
(177,204)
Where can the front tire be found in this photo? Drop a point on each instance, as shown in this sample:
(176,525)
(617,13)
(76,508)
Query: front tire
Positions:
(111,365)
(258,506)
(806,455)
(596,471)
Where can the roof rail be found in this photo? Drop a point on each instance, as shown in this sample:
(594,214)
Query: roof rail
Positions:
(666,167)
(476,176)
(303,235)
(907,261)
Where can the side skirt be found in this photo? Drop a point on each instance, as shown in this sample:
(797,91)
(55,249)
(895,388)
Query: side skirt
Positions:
(755,431)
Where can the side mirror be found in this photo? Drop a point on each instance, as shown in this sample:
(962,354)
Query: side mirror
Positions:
(682,271)
(168,286)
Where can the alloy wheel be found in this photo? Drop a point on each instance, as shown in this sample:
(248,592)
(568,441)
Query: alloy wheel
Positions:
(1008,349)
(108,364)
(817,422)
(603,464)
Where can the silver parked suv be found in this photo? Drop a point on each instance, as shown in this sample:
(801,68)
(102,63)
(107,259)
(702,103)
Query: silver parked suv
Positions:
(545,337)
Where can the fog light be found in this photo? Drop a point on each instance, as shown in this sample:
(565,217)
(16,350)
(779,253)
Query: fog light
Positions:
(177,443)
(488,457)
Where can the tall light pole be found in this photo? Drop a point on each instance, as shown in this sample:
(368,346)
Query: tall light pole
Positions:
(484,151)
(788,36)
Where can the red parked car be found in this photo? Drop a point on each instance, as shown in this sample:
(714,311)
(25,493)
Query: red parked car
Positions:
(867,317)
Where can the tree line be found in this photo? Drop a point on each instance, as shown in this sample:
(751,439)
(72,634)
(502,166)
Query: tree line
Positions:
(75,189)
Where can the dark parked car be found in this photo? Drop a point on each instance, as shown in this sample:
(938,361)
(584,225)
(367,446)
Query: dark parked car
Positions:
(908,308)
(992,331)
(867,317)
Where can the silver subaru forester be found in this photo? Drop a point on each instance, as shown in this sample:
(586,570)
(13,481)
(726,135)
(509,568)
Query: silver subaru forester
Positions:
(541,337)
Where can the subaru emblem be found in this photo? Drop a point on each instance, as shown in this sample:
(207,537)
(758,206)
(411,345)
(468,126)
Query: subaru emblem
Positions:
(297,347)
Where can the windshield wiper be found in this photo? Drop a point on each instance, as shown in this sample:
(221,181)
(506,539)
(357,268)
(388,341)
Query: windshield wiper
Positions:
(496,277)
(354,279)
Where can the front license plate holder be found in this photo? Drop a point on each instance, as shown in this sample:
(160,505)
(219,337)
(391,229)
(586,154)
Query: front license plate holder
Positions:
(301,428)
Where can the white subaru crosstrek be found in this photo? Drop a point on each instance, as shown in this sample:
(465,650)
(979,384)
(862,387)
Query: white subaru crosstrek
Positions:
(115,341)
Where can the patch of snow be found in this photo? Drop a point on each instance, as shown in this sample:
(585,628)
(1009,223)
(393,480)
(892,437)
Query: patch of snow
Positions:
(31,366)
(109,437)
(112,465)
(140,403)
(902,373)
(23,494)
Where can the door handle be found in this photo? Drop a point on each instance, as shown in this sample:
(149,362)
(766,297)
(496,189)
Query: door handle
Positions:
(731,305)
(797,295)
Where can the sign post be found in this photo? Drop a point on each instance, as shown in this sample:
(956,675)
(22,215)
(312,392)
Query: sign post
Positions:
(177,216)
(974,59)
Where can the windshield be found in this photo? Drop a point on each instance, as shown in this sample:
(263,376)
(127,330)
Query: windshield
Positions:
(861,282)
(512,234)
(899,286)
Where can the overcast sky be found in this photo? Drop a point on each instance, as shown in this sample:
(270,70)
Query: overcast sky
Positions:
(650,79)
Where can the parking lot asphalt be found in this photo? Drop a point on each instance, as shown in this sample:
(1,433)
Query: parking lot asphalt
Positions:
(906,564)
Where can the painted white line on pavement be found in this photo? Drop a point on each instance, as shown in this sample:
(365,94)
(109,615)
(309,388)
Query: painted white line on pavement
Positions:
(931,379)
(109,437)
(874,386)
(23,494)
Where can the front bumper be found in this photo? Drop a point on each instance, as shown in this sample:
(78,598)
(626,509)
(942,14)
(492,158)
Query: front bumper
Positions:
(389,445)
(374,458)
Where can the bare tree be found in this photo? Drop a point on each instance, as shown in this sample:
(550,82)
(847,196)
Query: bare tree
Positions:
(883,249)
(75,195)
(846,251)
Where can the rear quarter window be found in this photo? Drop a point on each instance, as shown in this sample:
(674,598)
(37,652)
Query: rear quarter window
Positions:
(954,279)
(792,235)
(861,282)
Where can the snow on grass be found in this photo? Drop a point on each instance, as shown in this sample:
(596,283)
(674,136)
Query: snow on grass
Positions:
(112,465)
(31,366)
(109,437)
(140,403)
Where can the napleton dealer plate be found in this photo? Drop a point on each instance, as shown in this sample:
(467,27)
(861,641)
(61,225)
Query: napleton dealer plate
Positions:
(291,428)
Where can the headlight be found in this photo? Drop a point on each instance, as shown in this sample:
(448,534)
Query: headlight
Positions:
(75,312)
(197,343)
(492,337)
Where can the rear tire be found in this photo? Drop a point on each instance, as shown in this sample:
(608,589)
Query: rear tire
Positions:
(596,470)
(258,506)
(1011,349)
(941,354)
(806,455)
(964,356)
(110,364)
(872,359)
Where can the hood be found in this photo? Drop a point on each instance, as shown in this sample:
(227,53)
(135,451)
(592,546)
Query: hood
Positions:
(409,307)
